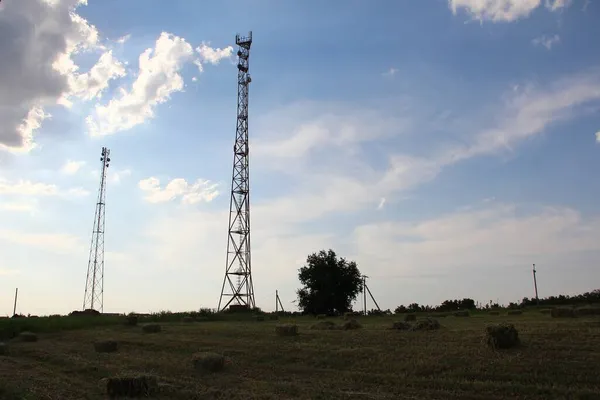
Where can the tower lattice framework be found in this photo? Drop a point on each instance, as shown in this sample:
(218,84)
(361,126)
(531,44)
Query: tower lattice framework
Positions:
(237,286)
(94,282)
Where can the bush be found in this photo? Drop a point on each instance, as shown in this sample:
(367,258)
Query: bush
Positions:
(351,324)
(427,324)
(286,330)
(494,312)
(131,320)
(462,313)
(410,317)
(502,336)
(208,362)
(139,386)
(402,326)
(106,346)
(187,319)
(515,312)
(562,312)
(151,328)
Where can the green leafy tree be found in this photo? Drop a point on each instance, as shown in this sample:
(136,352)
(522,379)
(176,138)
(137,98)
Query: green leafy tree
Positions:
(330,284)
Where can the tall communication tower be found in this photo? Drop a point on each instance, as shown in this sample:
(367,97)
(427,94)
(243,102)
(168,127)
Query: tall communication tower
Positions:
(237,285)
(94,281)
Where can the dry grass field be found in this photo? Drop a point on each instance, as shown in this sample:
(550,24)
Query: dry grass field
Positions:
(558,359)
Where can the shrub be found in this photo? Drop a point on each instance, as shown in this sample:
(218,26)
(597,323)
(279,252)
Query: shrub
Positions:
(351,324)
(138,386)
(502,336)
(3,349)
(324,325)
(28,337)
(494,312)
(286,330)
(562,312)
(131,320)
(402,326)
(462,313)
(427,324)
(348,315)
(106,346)
(515,312)
(410,317)
(208,362)
(151,328)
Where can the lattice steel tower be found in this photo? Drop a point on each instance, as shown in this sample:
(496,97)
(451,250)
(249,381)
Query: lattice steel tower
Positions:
(237,284)
(94,281)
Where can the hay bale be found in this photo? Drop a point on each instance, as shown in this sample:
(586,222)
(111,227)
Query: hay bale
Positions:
(402,326)
(462,313)
(260,318)
(321,316)
(274,317)
(494,312)
(187,319)
(351,324)
(515,312)
(3,349)
(151,328)
(502,336)
(545,311)
(131,320)
(286,330)
(28,337)
(134,386)
(587,311)
(208,362)
(427,324)
(410,317)
(106,346)
(324,325)
(562,312)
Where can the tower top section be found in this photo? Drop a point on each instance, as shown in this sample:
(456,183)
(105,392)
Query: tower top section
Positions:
(244,41)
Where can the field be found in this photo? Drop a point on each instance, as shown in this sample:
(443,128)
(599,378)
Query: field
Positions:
(558,359)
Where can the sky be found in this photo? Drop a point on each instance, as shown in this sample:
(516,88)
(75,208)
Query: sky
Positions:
(443,145)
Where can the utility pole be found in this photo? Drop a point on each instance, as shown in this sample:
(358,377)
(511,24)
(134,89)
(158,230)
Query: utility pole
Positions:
(278,303)
(364,294)
(537,299)
(238,270)
(15,306)
(94,281)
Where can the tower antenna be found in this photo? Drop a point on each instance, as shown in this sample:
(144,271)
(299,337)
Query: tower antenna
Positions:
(237,284)
(537,299)
(94,281)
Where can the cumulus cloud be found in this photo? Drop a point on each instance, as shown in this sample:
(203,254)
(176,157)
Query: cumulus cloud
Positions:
(503,10)
(546,41)
(29,188)
(72,167)
(123,39)
(199,191)
(41,37)
(213,55)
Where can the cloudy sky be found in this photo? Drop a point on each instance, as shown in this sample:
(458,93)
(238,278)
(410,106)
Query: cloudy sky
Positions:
(443,145)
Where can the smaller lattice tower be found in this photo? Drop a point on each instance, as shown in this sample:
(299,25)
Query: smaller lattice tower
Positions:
(94,281)
(237,284)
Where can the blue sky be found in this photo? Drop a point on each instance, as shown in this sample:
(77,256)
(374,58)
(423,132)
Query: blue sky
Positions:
(443,145)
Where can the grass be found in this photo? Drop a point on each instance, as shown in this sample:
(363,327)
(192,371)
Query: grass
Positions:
(558,358)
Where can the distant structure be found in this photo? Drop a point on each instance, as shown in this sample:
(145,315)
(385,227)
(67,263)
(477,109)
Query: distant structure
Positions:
(94,281)
(537,299)
(237,288)
(365,289)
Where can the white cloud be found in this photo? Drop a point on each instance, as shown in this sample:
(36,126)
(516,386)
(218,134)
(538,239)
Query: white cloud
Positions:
(123,39)
(116,175)
(213,55)
(503,10)
(391,72)
(29,188)
(381,203)
(199,191)
(52,242)
(546,41)
(157,79)
(18,207)
(42,37)
(598,136)
(72,167)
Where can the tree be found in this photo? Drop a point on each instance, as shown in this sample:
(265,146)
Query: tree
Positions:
(330,284)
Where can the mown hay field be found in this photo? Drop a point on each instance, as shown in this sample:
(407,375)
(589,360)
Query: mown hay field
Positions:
(557,359)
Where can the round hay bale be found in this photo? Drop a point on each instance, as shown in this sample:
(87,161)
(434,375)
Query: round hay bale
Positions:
(28,337)
(187,319)
(286,330)
(321,316)
(494,312)
(131,320)
(502,336)
(410,317)
(462,313)
(402,326)
(106,346)
(545,311)
(587,311)
(562,312)
(134,386)
(3,349)
(515,312)
(427,324)
(324,325)
(351,324)
(151,328)
(208,362)
(260,318)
